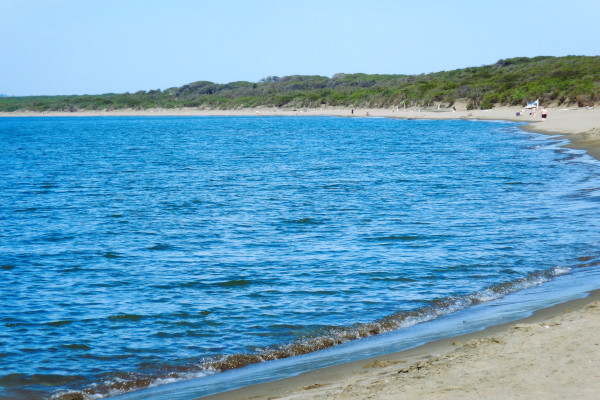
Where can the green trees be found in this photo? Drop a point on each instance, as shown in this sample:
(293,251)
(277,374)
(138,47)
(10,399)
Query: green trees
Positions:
(514,81)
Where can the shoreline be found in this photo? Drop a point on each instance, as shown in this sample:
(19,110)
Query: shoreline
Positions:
(581,126)
(551,354)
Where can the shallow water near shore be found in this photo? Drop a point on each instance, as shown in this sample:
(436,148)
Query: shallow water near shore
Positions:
(138,251)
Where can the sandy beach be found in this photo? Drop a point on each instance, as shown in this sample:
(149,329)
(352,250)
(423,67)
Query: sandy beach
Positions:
(554,354)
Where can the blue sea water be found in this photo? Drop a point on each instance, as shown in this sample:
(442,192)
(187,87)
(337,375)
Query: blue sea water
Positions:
(137,251)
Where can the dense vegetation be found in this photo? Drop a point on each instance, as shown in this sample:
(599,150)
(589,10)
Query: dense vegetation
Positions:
(558,80)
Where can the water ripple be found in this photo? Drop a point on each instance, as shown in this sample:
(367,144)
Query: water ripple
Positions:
(141,251)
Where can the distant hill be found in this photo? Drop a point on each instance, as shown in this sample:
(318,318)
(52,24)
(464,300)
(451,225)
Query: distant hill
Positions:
(514,81)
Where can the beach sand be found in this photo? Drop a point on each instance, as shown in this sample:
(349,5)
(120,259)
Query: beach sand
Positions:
(554,354)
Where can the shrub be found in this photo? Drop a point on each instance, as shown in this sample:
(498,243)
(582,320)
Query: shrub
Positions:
(584,100)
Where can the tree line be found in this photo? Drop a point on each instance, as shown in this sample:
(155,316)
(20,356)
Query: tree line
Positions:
(513,81)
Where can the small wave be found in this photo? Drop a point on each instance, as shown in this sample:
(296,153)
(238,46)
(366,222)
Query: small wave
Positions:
(57,238)
(234,283)
(398,238)
(111,357)
(394,279)
(316,292)
(316,339)
(16,380)
(509,271)
(76,346)
(303,221)
(326,168)
(73,268)
(395,321)
(160,246)
(202,284)
(126,317)
(588,262)
(557,271)
(121,382)
(59,323)
(111,254)
(28,209)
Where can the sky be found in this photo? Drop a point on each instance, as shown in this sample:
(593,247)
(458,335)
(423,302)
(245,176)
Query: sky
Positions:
(54,47)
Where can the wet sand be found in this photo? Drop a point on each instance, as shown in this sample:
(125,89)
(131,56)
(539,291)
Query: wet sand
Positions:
(554,354)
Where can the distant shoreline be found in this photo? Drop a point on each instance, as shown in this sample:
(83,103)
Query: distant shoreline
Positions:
(581,126)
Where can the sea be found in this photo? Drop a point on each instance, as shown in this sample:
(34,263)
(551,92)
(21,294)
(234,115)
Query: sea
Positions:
(156,256)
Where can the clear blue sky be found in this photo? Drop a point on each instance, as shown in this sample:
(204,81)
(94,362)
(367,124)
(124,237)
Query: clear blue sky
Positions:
(101,46)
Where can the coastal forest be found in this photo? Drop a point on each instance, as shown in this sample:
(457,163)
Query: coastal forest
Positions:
(570,80)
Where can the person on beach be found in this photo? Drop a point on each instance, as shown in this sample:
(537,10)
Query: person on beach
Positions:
(544,114)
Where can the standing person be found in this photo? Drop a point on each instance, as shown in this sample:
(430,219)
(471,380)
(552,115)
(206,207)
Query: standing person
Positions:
(544,114)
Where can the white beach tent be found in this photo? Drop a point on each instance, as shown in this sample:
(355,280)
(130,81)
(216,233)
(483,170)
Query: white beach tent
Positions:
(535,104)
